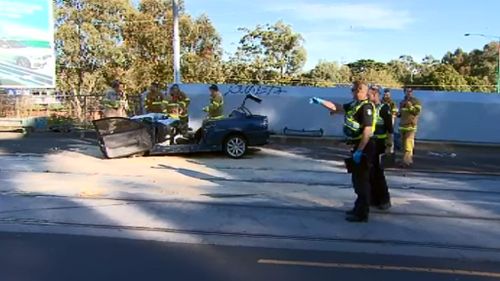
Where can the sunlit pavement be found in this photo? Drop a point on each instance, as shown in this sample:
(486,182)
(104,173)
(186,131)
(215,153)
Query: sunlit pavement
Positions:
(273,198)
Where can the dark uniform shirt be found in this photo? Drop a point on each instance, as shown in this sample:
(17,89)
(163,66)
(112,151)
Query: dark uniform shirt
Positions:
(386,115)
(364,116)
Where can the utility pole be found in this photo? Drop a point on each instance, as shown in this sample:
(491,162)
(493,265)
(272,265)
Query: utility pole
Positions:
(176,43)
(497,39)
(498,67)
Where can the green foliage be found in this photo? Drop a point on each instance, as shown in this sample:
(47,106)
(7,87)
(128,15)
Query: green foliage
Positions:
(270,52)
(59,120)
(381,77)
(478,68)
(360,67)
(328,74)
(99,41)
(88,36)
(444,78)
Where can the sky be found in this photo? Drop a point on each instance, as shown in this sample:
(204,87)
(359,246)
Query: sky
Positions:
(345,31)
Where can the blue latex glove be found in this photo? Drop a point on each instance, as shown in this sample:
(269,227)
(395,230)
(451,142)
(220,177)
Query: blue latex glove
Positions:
(316,100)
(357,156)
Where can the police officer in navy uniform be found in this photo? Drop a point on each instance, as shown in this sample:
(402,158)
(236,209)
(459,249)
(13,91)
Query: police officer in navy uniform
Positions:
(380,197)
(359,125)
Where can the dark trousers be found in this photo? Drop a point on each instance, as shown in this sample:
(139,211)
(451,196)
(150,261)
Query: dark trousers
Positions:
(380,191)
(361,181)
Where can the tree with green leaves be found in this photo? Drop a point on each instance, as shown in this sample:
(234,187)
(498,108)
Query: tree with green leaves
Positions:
(87,39)
(362,66)
(444,77)
(381,77)
(271,51)
(329,74)
(202,51)
(88,36)
(373,72)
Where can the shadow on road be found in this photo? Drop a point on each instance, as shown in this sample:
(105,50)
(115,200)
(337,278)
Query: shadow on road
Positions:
(199,221)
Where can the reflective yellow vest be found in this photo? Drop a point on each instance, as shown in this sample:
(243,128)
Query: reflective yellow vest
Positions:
(215,109)
(380,129)
(352,128)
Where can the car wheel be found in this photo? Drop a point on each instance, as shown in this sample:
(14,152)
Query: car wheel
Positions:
(23,62)
(235,146)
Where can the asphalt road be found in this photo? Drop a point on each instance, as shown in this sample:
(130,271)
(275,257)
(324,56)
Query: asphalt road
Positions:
(468,159)
(438,157)
(40,257)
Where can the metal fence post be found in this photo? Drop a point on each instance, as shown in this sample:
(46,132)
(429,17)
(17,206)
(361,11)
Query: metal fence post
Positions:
(82,133)
(16,106)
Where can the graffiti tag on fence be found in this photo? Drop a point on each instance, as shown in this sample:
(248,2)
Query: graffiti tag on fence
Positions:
(258,90)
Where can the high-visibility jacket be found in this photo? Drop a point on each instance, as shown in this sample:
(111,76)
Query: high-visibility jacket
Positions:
(409,115)
(392,106)
(352,128)
(381,128)
(153,101)
(114,104)
(215,109)
(177,106)
(114,100)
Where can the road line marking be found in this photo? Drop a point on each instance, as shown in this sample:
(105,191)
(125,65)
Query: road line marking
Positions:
(381,267)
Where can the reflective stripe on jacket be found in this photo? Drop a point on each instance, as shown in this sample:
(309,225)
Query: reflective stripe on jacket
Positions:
(216,107)
(380,128)
(409,115)
(113,100)
(352,128)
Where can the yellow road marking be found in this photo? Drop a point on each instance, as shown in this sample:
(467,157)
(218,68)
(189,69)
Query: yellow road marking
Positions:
(381,267)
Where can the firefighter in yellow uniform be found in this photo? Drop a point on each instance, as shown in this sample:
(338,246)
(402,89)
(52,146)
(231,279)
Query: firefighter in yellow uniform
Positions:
(409,112)
(215,110)
(154,98)
(177,104)
(387,100)
(115,101)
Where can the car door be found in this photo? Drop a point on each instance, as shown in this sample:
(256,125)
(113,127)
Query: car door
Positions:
(122,137)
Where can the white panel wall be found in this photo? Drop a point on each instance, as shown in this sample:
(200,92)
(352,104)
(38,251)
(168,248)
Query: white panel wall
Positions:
(463,117)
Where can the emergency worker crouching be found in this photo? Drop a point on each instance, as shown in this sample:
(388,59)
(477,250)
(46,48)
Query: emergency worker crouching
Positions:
(178,104)
(153,100)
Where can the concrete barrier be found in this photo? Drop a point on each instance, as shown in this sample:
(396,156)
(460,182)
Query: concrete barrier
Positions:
(447,116)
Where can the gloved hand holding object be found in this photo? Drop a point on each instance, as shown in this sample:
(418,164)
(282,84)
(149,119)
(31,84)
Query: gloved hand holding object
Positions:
(357,155)
(316,100)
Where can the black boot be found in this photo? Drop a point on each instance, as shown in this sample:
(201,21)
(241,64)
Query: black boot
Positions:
(357,218)
(385,206)
(350,212)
